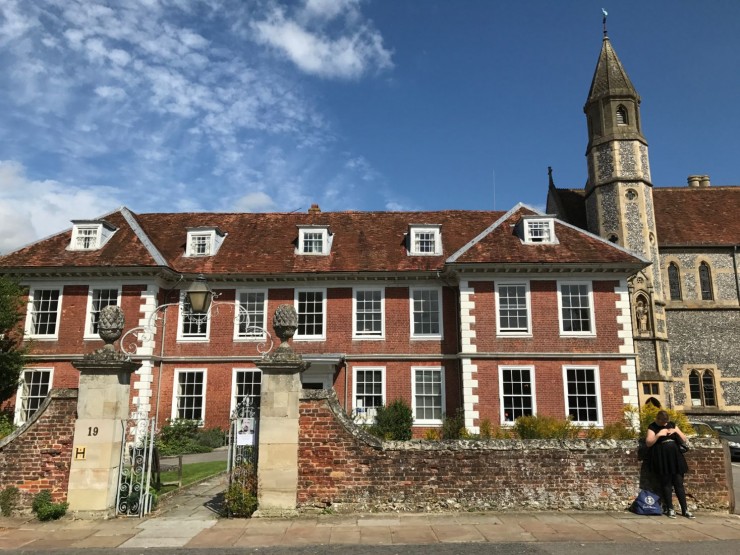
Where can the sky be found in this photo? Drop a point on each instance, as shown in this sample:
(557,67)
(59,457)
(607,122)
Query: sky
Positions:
(268,105)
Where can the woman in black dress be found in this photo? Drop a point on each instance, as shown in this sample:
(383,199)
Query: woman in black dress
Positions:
(667,461)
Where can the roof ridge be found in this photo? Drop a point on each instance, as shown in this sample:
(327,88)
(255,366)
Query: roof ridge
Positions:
(130,218)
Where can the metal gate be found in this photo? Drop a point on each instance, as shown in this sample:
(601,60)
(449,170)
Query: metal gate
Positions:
(244,444)
(134,497)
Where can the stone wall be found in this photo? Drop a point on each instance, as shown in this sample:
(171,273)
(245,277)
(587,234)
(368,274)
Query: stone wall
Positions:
(37,456)
(341,465)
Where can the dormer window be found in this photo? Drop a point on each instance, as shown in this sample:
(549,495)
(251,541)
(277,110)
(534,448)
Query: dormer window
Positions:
(425,240)
(90,235)
(314,240)
(204,241)
(539,230)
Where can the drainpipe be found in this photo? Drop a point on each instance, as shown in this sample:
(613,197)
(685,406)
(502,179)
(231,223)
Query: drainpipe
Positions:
(737,281)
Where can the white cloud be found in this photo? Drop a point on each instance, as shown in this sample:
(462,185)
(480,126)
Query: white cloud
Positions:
(32,209)
(255,202)
(355,50)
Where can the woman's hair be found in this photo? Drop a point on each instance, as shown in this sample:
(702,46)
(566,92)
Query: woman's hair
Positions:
(662,416)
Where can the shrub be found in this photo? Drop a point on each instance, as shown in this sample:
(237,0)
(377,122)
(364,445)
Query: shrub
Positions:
(486,429)
(432,434)
(453,427)
(6,424)
(180,437)
(213,438)
(9,498)
(241,496)
(647,413)
(393,422)
(544,427)
(45,509)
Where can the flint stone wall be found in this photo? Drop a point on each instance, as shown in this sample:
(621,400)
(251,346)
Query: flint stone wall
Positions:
(38,455)
(342,466)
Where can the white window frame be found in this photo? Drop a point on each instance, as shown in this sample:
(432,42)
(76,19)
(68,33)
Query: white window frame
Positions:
(255,335)
(533,396)
(19,418)
(415,231)
(316,337)
(363,414)
(597,387)
(310,230)
(428,421)
(213,239)
(234,391)
(175,396)
(181,315)
(592,320)
(82,234)
(371,335)
(29,327)
(412,314)
(545,224)
(513,332)
(89,333)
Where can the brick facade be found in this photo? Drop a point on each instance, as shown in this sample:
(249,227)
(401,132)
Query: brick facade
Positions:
(38,455)
(340,464)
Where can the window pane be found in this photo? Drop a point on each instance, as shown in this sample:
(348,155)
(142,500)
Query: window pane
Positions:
(35,386)
(695,388)
(512,308)
(190,395)
(193,325)
(428,394)
(517,398)
(576,308)
(426,312)
(582,394)
(705,281)
(674,282)
(251,314)
(369,313)
(248,386)
(310,313)
(45,311)
(424,242)
(368,393)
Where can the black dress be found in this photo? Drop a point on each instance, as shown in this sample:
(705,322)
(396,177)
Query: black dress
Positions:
(665,457)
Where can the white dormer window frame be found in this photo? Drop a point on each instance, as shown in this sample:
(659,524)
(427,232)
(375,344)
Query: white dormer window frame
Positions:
(539,231)
(314,241)
(203,241)
(89,235)
(425,240)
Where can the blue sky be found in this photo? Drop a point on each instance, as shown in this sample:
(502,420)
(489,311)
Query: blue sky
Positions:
(262,105)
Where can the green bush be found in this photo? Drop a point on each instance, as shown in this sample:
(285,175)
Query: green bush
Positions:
(241,496)
(6,424)
(9,498)
(393,422)
(544,427)
(213,438)
(453,427)
(647,414)
(45,509)
(181,437)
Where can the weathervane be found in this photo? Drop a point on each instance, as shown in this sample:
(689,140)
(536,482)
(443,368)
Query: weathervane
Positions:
(604,20)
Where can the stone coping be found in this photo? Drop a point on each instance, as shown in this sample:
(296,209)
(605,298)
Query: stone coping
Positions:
(58,393)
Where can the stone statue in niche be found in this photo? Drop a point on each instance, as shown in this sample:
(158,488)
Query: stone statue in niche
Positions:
(641,315)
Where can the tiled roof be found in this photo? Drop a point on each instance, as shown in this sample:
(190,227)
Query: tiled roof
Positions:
(264,244)
(684,216)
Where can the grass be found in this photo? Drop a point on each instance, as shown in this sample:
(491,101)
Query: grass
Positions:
(192,473)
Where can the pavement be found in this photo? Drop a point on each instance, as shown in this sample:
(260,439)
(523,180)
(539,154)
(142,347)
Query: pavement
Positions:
(191,520)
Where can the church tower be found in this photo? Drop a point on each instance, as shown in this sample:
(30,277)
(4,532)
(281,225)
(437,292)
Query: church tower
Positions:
(619,207)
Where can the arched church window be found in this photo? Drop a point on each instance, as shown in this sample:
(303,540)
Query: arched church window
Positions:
(701,388)
(653,401)
(674,282)
(621,115)
(705,282)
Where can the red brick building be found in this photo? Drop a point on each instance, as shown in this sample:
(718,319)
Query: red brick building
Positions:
(501,314)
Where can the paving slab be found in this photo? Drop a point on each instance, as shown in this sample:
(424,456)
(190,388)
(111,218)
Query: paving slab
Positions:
(456,533)
(102,542)
(375,535)
(502,533)
(341,535)
(216,537)
(412,534)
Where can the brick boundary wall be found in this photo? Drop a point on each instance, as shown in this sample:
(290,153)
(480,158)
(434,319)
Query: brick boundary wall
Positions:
(341,465)
(38,455)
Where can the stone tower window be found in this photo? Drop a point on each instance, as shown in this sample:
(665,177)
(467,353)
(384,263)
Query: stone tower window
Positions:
(701,388)
(631,194)
(613,238)
(705,281)
(622,115)
(674,281)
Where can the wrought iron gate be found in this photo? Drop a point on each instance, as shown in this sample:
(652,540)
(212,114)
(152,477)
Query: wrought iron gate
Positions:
(135,471)
(244,444)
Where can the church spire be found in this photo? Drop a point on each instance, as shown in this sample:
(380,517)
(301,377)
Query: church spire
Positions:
(610,78)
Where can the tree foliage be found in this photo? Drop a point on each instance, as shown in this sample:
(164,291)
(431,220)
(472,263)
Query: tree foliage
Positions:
(11,351)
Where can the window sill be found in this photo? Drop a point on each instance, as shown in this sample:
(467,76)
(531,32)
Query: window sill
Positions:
(517,334)
(193,339)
